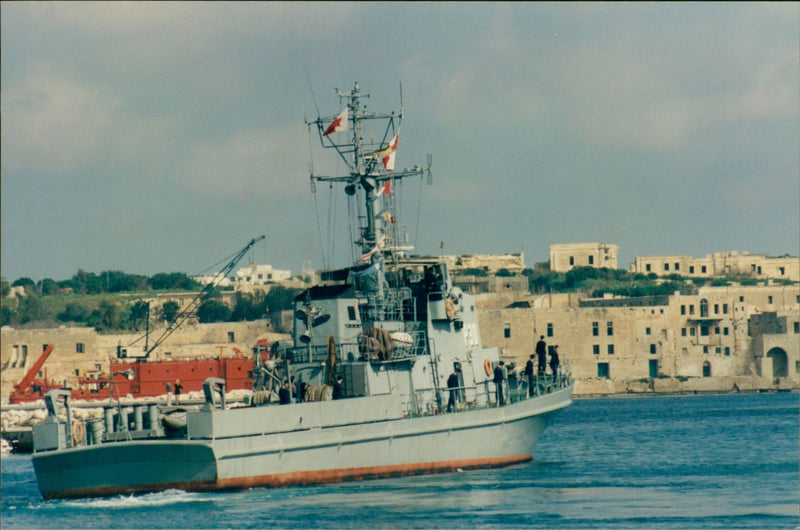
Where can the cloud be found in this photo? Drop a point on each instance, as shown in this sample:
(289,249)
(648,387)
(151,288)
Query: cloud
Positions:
(257,162)
(54,123)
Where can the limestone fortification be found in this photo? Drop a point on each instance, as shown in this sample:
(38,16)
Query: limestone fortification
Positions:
(721,339)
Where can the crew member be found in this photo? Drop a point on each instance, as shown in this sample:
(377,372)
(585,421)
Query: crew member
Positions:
(453,383)
(541,354)
(498,381)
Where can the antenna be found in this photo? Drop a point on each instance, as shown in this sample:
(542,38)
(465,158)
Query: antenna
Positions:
(311,88)
(430,163)
(401,100)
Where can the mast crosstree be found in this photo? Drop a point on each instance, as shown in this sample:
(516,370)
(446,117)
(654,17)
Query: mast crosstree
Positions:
(370,165)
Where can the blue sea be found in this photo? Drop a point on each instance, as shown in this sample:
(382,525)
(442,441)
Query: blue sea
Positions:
(710,461)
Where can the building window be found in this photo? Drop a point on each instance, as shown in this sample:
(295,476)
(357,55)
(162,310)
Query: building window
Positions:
(647,268)
(507,331)
(79,348)
(646,331)
(717,350)
(677,266)
(666,266)
(683,310)
(692,332)
(231,337)
(741,298)
(596,349)
(549,329)
(727,350)
(796,327)
(683,332)
(691,269)
(602,370)
(725,330)
(769,299)
(704,329)
(716,309)
(591,260)
(595,329)
(716,330)
(610,329)
(724,309)
(611,349)
(571,260)
(703,269)
(652,348)
(705,350)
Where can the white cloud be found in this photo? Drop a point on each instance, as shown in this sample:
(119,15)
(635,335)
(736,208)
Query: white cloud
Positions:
(55,123)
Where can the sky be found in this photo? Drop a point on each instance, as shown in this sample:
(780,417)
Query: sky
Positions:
(162,137)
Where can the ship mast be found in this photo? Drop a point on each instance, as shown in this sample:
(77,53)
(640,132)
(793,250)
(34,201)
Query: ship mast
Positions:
(371,168)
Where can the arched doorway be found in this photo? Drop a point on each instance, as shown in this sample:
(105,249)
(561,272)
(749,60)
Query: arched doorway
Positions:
(780,366)
(706,369)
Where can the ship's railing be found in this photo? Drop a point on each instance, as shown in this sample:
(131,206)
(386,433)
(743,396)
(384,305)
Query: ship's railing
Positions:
(354,351)
(484,394)
(395,304)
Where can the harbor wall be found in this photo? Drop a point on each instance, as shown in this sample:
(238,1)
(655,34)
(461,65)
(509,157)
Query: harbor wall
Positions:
(719,339)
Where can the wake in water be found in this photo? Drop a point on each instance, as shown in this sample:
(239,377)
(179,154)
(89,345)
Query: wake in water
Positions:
(161,498)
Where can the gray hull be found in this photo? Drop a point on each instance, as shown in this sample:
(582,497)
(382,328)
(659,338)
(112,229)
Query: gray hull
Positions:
(298,444)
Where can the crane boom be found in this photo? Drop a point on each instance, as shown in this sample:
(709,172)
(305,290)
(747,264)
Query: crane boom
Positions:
(26,381)
(201,297)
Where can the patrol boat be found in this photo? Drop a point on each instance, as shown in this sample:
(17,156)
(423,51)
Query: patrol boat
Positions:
(382,337)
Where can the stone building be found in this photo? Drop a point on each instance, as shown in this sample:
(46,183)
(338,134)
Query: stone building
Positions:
(81,349)
(566,256)
(721,264)
(718,333)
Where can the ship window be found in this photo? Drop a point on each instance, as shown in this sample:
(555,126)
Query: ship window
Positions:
(351,312)
(602,370)
(79,348)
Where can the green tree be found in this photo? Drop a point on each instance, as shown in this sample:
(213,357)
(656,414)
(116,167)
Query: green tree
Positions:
(111,315)
(213,311)
(169,311)
(31,309)
(139,313)
(74,312)
(280,298)
(248,306)
(48,287)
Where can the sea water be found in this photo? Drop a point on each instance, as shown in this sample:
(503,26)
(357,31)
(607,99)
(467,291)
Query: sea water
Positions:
(710,461)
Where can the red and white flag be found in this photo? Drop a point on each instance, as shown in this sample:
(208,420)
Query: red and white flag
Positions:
(338,124)
(387,155)
(386,188)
